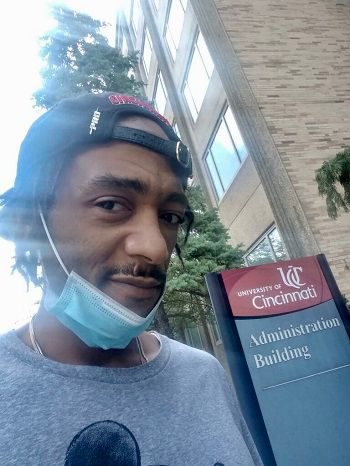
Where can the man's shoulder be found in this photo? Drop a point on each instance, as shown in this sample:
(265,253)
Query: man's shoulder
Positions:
(182,348)
(7,355)
(192,356)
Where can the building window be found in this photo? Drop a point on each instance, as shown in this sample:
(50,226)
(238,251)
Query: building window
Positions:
(214,330)
(226,153)
(176,128)
(174,25)
(269,248)
(198,76)
(160,95)
(147,51)
(135,15)
(194,337)
(124,46)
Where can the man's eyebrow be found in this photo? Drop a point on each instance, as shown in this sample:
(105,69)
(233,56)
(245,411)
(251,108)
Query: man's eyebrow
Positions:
(178,198)
(114,182)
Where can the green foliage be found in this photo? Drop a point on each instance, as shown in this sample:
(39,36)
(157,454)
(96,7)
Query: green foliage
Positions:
(207,250)
(79,60)
(346,302)
(335,174)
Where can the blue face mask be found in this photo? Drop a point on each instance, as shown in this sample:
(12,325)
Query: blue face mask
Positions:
(98,320)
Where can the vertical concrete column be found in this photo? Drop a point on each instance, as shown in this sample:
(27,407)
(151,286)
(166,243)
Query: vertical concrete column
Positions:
(286,207)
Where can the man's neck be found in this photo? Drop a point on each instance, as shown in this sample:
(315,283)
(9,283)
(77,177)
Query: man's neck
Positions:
(60,344)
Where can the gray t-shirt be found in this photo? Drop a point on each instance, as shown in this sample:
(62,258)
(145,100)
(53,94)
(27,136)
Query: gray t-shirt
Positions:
(177,410)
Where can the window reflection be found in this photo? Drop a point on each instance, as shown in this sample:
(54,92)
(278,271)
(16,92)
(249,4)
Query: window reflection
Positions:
(198,77)
(174,25)
(160,95)
(277,245)
(226,154)
(269,248)
(135,15)
(147,51)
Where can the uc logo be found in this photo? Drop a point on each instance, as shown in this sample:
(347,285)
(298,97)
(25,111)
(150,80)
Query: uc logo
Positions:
(291,277)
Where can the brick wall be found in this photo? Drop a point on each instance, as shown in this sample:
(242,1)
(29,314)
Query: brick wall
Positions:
(296,57)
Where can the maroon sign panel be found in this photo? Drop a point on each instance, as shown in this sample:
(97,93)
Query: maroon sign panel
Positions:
(277,288)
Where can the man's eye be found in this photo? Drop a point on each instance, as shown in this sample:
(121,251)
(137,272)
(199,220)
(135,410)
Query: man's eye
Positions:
(173,219)
(112,206)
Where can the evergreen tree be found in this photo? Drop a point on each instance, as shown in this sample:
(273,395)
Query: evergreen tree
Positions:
(78,60)
(335,174)
(207,250)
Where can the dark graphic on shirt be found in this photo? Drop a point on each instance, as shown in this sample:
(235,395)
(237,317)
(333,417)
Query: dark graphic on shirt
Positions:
(105,443)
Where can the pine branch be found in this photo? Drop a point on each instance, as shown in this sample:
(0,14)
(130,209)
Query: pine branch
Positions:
(335,174)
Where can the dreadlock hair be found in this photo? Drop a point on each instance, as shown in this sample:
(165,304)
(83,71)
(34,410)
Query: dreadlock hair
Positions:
(19,215)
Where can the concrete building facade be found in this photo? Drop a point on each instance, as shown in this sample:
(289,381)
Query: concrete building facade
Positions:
(260,91)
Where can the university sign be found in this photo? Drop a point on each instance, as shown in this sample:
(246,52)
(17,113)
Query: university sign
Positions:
(276,288)
(284,328)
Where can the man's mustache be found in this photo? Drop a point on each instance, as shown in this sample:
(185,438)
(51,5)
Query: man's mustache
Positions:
(134,270)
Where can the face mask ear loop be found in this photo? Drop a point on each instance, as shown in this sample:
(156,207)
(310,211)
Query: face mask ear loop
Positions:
(51,241)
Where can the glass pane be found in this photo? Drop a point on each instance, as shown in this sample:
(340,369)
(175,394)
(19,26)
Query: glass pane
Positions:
(170,43)
(124,47)
(214,176)
(205,55)
(277,245)
(174,26)
(262,254)
(197,80)
(190,103)
(196,340)
(236,135)
(225,156)
(184,4)
(215,328)
(135,16)
(160,96)
(176,128)
(147,52)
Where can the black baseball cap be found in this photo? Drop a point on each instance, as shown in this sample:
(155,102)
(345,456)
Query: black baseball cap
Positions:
(75,123)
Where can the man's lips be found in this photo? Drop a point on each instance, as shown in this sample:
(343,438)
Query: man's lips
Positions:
(128,289)
(138,282)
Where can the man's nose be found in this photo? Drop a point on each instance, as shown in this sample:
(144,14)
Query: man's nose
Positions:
(147,241)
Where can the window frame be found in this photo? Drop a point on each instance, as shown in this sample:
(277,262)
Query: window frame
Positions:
(124,45)
(189,336)
(265,235)
(186,74)
(241,159)
(166,28)
(160,79)
(175,127)
(156,4)
(146,36)
(215,329)
(135,27)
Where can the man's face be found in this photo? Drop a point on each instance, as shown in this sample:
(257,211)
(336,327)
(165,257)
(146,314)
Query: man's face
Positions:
(115,220)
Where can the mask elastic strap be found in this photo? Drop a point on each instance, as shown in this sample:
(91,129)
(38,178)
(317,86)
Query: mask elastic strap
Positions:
(51,241)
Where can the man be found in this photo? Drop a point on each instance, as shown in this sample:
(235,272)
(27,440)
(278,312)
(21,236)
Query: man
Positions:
(97,204)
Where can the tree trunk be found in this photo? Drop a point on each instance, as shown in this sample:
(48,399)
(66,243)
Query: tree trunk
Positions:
(161,322)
